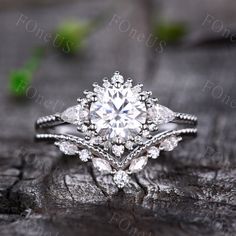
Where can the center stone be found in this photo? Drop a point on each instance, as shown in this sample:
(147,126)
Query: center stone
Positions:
(118,113)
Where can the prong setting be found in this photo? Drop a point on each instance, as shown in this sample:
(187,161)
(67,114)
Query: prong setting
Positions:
(118,82)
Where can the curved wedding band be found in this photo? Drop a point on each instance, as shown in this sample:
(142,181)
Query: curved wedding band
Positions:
(118,127)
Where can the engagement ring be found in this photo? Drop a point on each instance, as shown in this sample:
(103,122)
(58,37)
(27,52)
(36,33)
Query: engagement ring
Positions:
(117,126)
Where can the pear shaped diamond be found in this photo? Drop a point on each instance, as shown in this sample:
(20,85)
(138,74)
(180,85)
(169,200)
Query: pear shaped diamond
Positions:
(75,115)
(160,114)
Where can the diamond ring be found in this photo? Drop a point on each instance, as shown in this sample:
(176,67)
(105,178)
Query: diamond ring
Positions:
(117,126)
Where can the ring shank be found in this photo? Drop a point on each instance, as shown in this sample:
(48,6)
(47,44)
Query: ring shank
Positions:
(184,118)
(55,120)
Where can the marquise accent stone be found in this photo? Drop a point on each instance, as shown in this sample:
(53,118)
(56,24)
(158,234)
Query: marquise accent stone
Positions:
(170,143)
(102,165)
(67,148)
(138,164)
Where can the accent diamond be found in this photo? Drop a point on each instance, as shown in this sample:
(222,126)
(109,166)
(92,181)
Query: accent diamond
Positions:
(117,78)
(153,152)
(118,150)
(145,133)
(160,114)
(67,147)
(102,165)
(75,115)
(85,155)
(121,178)
(96,140)
(129,145)
(169,143)
(137,88)
(138,164)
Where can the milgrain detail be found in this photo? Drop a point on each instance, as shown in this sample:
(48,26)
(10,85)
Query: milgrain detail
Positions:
(48,121)
(157,139)
(79,141)
(101,153)
(183,117)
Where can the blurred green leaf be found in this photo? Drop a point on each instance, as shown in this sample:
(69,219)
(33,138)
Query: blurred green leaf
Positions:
(20,79)
(19,82)
(170,32)
(71,35)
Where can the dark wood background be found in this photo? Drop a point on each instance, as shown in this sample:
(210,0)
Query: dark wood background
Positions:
(190,191)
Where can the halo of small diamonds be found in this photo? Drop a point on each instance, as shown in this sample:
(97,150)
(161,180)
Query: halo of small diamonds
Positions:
(120,114)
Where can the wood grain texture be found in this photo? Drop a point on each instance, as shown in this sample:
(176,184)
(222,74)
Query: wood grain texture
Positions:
(190,191)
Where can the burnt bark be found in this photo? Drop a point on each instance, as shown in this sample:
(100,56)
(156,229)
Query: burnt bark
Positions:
(190,191)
